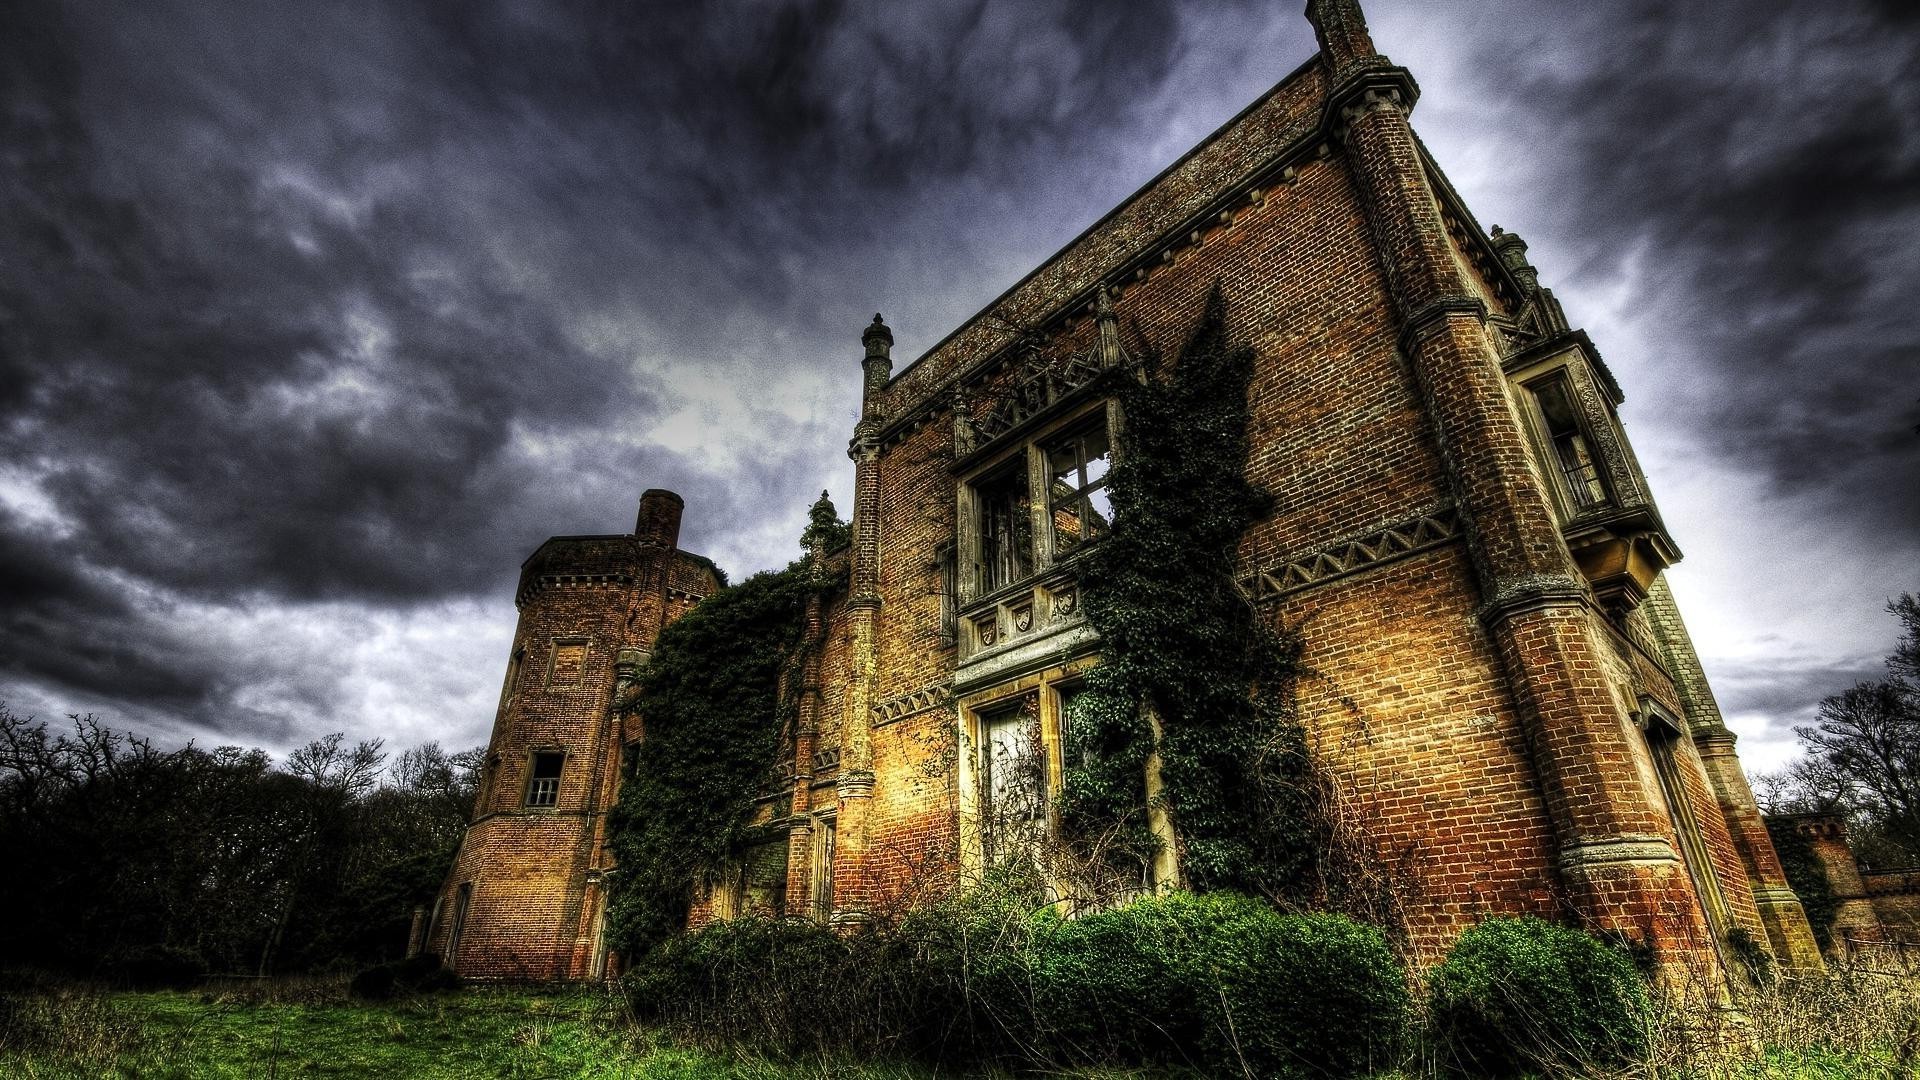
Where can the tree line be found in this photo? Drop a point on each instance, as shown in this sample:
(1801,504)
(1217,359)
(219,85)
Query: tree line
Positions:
(130,862)
(1862,756)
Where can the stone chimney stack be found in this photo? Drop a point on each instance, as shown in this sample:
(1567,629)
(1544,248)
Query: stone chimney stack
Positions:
(878,364)
(1341,29)
(659,524)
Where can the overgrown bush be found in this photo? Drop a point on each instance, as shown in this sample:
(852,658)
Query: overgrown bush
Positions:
(1518,995)
(1223,983)
(422,974)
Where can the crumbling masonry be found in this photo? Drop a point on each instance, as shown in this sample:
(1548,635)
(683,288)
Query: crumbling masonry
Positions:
(1502,683)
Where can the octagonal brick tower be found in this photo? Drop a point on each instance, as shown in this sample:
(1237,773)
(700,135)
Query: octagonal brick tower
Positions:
(525,897)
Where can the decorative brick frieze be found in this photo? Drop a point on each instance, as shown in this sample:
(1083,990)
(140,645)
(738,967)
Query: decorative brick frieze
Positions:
(1415,534)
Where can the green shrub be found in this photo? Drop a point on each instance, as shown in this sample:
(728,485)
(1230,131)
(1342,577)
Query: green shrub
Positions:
(422,974)
(1517,995)
(1223,982)
(776,985)
(1219,982)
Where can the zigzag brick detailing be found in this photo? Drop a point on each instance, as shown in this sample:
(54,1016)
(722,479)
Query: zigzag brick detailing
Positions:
(1500,683)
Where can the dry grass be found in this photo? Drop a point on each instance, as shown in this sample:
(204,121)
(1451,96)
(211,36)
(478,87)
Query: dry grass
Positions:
(1851,1024)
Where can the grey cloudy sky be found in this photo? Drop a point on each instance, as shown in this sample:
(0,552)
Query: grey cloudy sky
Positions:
(316,318)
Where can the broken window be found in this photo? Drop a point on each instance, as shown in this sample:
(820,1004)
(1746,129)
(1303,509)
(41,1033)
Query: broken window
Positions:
(543,779)
(1572,456)
(1006,527)
(1013,781)
(1078,511)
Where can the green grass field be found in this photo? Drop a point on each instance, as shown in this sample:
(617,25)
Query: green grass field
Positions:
(475,1033)
(313,1030)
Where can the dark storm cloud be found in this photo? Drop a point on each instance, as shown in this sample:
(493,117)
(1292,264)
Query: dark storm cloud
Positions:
(1762,165)
(308,305)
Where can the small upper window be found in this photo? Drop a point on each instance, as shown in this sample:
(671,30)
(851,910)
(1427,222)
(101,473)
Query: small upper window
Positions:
(1006,528)
(1078,510)
(1572,457)
(543,782)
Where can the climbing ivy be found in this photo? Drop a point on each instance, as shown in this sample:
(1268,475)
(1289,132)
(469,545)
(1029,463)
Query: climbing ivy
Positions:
(1807,876)
(715,724)
(1178,640)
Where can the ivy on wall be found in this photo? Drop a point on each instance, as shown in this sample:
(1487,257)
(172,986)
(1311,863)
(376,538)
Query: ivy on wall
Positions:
(1178,640)
(1807,876)
(715,724)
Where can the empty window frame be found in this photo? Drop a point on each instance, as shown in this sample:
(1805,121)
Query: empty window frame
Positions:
(1077,508)
(823,844)
(543,779)
(461,898)
(1567,441)
(1006,527)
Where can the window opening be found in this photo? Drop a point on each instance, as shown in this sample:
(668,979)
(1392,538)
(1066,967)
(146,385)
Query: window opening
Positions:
(823,840)
(947,569)
(543,782)
(1578,470)
(1006,528)
(460,900)
(1078,510)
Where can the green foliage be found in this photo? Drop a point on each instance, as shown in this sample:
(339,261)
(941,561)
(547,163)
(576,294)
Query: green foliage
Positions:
(1178,638)
(76,1032)
(1220,981)
(1807,876)
(825,533)
(1518,995)
(1754,958)
(421,974)
(715,722)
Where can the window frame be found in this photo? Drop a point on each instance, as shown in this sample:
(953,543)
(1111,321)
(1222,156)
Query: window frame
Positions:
(1553,463)
(1077,435)
(976,583)
(535,784)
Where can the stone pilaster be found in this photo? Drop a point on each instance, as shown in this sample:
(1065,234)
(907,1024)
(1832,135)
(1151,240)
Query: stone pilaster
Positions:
(852,899)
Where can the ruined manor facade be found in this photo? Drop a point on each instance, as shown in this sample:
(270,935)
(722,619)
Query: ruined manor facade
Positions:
(1501,682)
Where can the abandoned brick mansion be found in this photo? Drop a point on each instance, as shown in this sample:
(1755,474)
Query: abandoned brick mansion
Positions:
(1500,678)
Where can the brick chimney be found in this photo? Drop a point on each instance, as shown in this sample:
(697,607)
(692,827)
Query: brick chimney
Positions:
(659,524)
